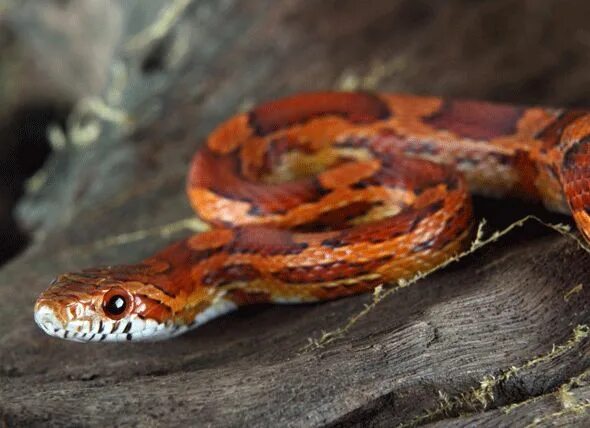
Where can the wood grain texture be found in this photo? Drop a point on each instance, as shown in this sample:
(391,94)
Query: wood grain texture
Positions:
(505,306)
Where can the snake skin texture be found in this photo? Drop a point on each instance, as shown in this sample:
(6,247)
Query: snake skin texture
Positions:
(323,195)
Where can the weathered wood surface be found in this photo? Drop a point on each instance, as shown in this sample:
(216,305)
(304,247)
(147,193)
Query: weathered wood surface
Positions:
(498,339)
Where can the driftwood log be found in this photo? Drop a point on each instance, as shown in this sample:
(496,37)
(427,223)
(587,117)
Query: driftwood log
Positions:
(499,338)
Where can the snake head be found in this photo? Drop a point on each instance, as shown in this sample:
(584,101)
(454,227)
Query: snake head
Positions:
(96,306)
(116,304)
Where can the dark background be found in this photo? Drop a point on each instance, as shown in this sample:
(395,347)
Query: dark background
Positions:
(126,99)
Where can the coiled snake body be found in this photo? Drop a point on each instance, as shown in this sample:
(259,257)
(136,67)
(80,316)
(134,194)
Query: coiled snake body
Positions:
(324,195)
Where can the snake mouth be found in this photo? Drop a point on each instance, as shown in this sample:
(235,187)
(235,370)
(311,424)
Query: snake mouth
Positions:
(131,328)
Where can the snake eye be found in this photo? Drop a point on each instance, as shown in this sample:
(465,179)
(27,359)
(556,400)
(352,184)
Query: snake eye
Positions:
(115,303)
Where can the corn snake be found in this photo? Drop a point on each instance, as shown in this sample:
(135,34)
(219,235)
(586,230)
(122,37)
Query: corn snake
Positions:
(324,195)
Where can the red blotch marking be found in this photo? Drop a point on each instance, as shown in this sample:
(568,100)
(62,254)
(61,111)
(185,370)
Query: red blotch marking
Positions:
(146,307)
(221,175)
(386,229)
(527,173)
(228,274)
(476,120)
(328,272)
(241,297)
(551,135)
(337,218)
(279,114)
(265,241)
